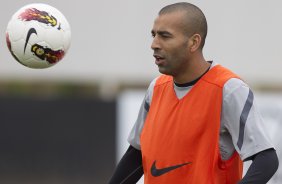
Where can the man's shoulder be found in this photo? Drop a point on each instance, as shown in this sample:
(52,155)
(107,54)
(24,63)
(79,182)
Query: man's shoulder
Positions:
(163,79)
(236,88)
(219,75)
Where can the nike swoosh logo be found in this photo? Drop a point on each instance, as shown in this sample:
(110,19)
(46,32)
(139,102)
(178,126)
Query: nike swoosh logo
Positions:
(29,33)
(158,172)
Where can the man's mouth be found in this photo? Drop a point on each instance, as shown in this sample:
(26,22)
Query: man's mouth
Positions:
(159,59)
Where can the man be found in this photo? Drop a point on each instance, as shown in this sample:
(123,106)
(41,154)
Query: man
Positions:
(198,120)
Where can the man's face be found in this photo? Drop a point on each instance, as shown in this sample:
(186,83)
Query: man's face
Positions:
(170,44)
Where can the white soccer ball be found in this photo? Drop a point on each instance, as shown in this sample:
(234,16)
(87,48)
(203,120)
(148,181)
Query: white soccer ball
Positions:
(38,35)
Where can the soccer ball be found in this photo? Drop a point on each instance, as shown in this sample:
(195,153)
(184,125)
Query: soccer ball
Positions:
(38,35)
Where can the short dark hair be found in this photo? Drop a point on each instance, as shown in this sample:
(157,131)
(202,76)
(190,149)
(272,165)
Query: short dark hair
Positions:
(195,20)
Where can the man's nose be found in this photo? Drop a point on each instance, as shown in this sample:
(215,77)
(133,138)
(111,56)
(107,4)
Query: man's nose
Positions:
(155,43)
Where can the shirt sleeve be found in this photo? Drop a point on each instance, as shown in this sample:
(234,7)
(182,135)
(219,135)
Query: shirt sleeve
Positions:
(263,167)
(129,169)
(134,135)
(242,119)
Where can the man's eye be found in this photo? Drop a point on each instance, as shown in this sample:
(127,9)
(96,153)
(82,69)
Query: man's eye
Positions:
(165,36)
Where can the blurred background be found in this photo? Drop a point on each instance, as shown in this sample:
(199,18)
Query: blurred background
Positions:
(69,123)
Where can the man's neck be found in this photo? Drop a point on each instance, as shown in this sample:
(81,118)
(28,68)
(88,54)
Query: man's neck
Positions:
(193,71)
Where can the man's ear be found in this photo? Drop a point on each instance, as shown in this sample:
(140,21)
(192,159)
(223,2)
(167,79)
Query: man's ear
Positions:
(194,42)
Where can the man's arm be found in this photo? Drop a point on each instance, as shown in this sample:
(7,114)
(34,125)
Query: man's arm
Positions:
(264,165)
(129,170)
(243,121)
